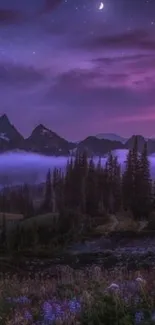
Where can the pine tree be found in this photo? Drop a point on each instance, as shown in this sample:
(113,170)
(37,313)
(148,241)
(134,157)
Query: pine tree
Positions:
(137,190)
(58,190)
(106,188)
(128,182)
(26,203)
(48,193)
(75,184)
(83,161)
(117,185)
(110,169)
(91,190)
(100,187)
(136,174)
(136,182)
(145,183)
(4,231)
(68,184)
(153,195)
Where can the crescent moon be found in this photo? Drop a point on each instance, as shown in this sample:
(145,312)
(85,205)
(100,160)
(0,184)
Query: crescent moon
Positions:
(101,6)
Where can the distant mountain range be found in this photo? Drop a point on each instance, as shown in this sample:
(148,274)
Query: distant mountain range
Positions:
(44,141)
(111,137)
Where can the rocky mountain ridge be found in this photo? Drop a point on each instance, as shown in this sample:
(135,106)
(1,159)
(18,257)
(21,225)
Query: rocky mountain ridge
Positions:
(44,141)
(111,136)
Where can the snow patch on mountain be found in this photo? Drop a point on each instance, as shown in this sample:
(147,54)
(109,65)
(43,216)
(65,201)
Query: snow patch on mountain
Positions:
(45,131)
(4,137)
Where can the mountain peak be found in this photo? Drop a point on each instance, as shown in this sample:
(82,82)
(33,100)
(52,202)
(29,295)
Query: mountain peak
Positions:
(4,119)
(46,141)
(40,126)
(10,138)
(41,129)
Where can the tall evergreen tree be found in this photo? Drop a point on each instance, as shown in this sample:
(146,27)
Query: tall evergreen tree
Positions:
(100,187)
(91,190)
(48,193)
(117,193)
(128,182)
(145,183)
(58,190)
(83,161)
(106,188)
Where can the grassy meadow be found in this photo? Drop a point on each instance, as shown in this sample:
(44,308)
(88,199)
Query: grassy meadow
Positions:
(91,296)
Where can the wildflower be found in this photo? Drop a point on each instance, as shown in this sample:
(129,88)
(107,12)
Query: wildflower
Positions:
(48,312)
(20,300)
(140,280)
(139,317)
(58,310)
(28,315)
(74,305)
(113,286)
(136,299)
(126,299)
(153,316)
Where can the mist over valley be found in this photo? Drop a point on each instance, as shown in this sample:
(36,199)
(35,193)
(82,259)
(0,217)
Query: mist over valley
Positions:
(22,167)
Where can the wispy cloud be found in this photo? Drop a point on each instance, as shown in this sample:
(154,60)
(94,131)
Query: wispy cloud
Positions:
(137,39)
(148,115)
(11,16)
(50,5)
(16,74)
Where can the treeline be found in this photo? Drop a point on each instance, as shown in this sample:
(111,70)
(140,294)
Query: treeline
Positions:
(95,190)
(84,195)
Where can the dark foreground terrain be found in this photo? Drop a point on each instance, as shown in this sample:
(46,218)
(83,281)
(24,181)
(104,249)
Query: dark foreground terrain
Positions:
(129,251)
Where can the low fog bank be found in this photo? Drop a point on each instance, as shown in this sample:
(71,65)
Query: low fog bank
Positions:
(22,167)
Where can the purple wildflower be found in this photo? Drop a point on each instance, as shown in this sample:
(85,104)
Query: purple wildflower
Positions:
(139,317)
(74,305)
(19,300)
(28,315)
(153,316)
(48,314)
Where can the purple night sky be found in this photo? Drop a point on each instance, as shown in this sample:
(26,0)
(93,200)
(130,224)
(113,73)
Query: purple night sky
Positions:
(77,69)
